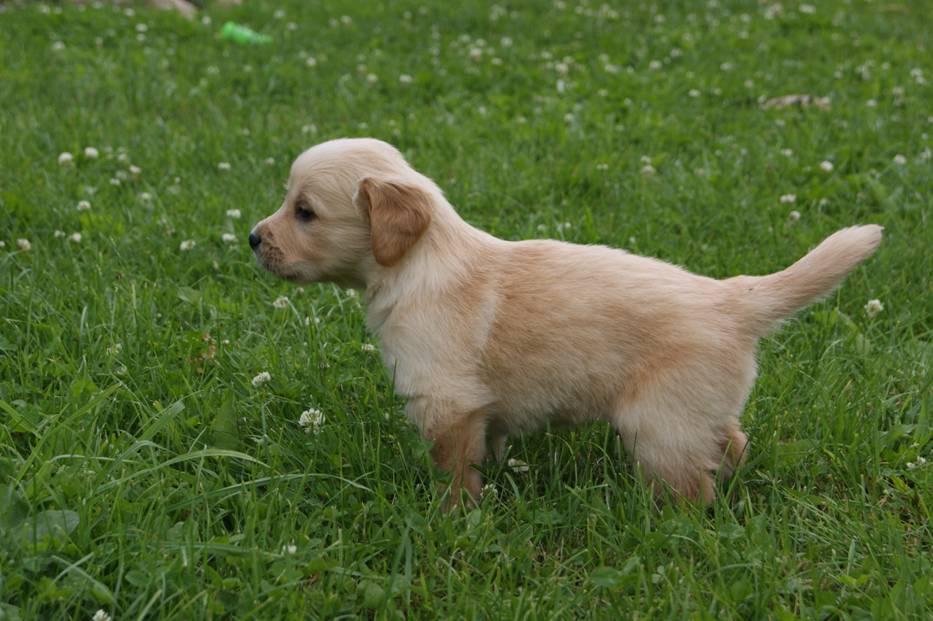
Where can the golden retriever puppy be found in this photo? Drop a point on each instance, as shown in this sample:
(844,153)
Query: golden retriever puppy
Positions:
(488,338)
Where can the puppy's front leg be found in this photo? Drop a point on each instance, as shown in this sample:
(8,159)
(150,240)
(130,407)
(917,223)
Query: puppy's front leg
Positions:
(459,446)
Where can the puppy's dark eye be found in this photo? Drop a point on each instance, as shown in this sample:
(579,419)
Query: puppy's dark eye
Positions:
(304,212)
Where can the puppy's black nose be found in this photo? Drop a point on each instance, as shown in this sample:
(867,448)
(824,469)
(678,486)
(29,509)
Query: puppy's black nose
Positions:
(254,240)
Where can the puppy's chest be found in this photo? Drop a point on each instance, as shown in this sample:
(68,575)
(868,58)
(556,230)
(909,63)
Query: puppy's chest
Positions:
(417,360)
(427,357)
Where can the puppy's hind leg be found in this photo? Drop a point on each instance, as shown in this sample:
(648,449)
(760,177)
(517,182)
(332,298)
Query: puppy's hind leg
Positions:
(670,448)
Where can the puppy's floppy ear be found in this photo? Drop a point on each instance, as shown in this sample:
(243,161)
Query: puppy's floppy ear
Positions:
(398,214)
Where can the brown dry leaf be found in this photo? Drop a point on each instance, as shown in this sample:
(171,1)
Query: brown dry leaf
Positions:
(804,101)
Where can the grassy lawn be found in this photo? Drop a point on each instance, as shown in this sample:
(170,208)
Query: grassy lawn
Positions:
(145,473)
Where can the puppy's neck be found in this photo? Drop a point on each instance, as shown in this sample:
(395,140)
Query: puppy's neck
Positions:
(441,260)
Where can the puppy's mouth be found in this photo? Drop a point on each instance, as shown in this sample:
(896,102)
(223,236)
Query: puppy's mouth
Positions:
(273,262)
(270,257)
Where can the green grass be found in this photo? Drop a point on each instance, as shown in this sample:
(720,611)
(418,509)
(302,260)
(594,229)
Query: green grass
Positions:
(142,473)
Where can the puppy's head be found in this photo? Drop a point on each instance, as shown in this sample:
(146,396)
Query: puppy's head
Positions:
(350,205)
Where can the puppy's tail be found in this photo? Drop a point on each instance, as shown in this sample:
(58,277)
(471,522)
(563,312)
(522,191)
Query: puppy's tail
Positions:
(765,301)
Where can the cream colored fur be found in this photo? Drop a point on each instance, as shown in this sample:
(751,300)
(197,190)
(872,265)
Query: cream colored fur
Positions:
(487,338)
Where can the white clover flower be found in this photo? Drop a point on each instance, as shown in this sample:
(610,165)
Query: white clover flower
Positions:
(826,166)
(23,244)
(58,46)
(280,302)
(91,153)
(921,461)
(57,234)
(65,159)
(654,65)
(311,61)
(405,78)
(115,349)
(141,27)
(911,465)
(694,92)
(2,244)
(186,245)
(311,420)
(505,41)
(114,181)
(228,238)
(291,26)
(900,160)
(74,237)
(873,307)
(83,206)
(372,78)
(101,615)
(367,347)
(788,198)
(289,549)
(279,14)
(648,170)
(871,103)
(223,166)
(808,9)
(346,20)
(262,378)
(233,213)
(602,166)
(787,152)
(794,216)
(135,170)
(310,128)
(518,465)
(476,53)
(145,197)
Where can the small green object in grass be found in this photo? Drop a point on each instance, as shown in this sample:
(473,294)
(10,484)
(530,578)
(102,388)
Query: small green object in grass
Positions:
(239,33)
